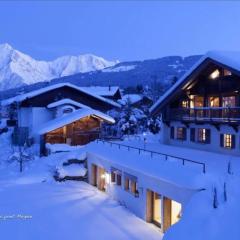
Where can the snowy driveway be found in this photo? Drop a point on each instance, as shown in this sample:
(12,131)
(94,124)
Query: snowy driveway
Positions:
(73,210)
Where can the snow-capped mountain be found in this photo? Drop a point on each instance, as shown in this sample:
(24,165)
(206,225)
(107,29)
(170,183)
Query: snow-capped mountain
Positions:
(17,68)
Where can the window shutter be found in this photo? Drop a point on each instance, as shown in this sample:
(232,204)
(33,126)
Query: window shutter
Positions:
(221,140)
(233,141)
(184,133)
(208,136)
(192,134)
(172,132)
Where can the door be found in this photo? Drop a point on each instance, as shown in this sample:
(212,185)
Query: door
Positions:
(154,208)
(94,175)
(166,213)
(101,179)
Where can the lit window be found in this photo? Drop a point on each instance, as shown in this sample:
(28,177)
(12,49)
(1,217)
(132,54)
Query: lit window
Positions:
(130,184)
(113,177)
(119,180)
(127,184)
(229,101)
(213,101)
(198,101)
(215,74)
(203,135)
(181,133)
(227,141)
(184,104)
(227,72)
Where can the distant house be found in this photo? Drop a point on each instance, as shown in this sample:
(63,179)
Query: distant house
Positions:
(202,109)
(136,100)
(61,113)
(110,92)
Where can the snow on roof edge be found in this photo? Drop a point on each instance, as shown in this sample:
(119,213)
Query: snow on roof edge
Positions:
(67,101)
(22,97)
(71,117)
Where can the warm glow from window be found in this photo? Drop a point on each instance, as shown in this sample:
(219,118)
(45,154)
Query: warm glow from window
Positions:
(215,74)
(227,72)
(202,136)
(227,140)
(184,104)
(176,212)
(229,101)
(213,101)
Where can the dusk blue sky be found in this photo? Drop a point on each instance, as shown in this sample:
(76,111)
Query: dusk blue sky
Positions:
(119,29)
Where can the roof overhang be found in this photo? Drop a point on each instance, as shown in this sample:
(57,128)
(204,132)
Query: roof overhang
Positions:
(70,118)
(189,76)
(35,93)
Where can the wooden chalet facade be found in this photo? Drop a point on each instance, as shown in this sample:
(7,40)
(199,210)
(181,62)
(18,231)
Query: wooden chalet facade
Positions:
(202,109)
(80,132)
(61,113)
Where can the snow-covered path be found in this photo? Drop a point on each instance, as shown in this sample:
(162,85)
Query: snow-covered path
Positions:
(72,210)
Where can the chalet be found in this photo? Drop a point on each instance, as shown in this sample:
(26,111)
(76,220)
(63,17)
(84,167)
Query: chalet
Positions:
(60,113)
(136,100)
(110,92)
(202,109)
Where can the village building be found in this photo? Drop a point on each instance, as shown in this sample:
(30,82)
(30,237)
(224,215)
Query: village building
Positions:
(136,101)
(202,109)
(60,113)
(142,182)
(110,92)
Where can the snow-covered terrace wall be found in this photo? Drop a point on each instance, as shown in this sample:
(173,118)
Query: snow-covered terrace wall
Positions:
(178,186)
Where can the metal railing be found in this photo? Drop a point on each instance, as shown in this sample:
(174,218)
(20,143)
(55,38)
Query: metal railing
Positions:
(217,114)
(166,156)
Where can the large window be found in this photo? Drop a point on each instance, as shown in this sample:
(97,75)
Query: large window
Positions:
(181,133)
(227,72)
(203,135)
(198,101)
(229,101)
(213,101)
(184,104)
(116,176)
(130,184)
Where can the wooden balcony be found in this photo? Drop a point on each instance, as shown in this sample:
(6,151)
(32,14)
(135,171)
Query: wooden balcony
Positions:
(204,114)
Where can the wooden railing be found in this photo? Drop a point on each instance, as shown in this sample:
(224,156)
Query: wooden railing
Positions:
(218,114)
(152,153)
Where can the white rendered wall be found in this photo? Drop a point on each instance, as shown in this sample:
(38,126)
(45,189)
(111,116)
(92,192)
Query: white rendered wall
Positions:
(138,204)
(213,146)
(41,115)
(25,117)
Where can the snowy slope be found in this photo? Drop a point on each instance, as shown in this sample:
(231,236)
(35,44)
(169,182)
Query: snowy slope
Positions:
(17,69)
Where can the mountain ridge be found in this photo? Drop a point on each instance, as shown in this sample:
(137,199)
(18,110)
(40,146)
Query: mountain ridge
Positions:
(18,69)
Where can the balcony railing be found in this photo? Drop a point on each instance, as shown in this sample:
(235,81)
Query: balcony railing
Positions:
(215,114)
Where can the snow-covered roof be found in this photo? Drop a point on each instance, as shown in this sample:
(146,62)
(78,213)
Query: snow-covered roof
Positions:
(72,117)
(34,93)
(67,101)
(228,58)
(133,98)
(102,91)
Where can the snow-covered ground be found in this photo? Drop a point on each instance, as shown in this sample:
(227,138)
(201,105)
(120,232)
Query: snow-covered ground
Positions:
(72,210)
(37,207)
(34,206)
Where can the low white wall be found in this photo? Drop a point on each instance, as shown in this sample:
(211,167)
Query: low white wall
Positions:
(138,204)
